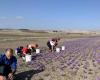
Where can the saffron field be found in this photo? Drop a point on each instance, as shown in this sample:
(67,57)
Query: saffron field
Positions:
(79,61)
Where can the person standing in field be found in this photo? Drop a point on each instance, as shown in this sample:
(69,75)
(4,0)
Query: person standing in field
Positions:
(8,65)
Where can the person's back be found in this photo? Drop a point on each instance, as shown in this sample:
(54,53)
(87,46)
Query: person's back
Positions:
(24,50)
(32,47)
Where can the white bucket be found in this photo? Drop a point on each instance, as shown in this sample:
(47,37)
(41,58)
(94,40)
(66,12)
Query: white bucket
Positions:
(63,48)
(57,50)
(37,51)
(28,58)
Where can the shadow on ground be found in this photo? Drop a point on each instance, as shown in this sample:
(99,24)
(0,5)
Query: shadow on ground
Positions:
(27,75)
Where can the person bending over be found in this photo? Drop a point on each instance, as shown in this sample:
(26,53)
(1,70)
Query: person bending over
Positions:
(8,65)
(32,47)
(51,44)
(56,42)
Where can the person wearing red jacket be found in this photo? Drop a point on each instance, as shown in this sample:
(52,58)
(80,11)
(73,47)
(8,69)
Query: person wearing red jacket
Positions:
(24,51)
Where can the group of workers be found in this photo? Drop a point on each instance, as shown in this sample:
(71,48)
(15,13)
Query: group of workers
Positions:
(22,51)
(8,62)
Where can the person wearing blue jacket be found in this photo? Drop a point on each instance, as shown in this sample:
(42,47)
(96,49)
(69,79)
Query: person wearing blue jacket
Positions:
(8,65)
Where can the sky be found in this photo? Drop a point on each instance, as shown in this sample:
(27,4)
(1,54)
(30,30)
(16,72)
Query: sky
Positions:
(50,14)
